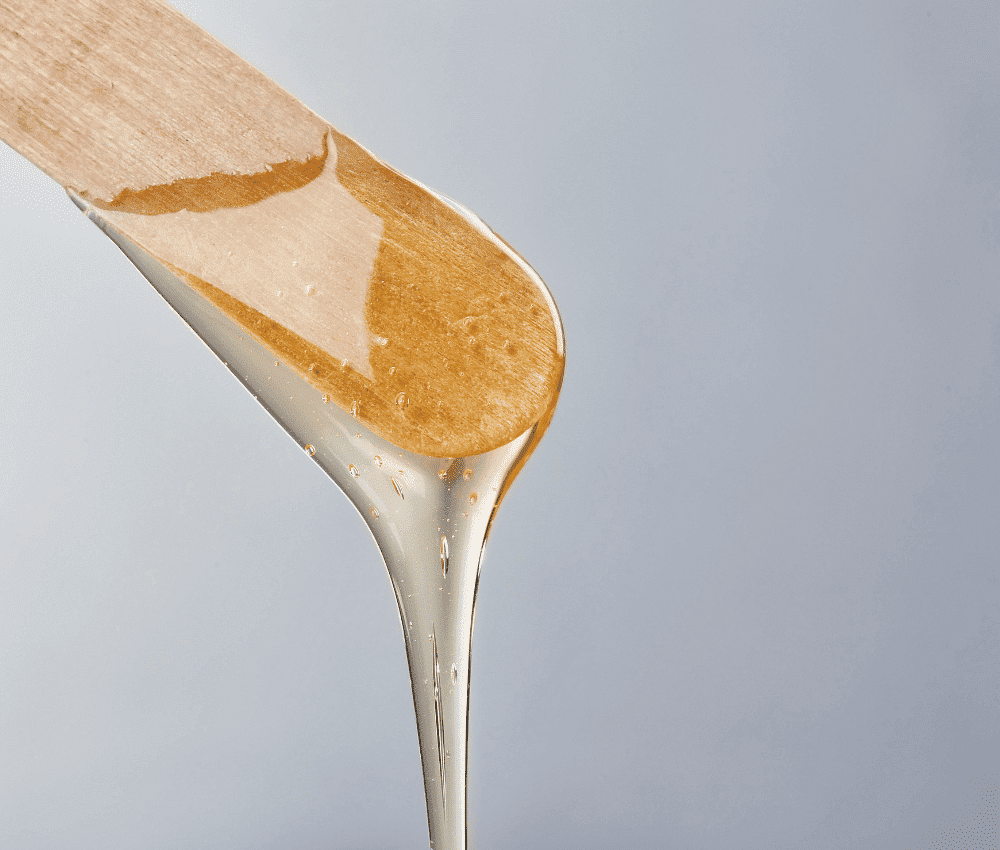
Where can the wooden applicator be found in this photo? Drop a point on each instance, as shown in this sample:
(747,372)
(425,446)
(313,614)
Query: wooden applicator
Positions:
(433,332)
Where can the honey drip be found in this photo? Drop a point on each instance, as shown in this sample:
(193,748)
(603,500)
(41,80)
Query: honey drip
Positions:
(431,534)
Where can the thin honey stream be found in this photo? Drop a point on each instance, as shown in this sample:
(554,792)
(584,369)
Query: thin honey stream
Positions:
(430,517)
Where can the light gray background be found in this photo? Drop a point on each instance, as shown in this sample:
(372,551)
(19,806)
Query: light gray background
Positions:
(744,595)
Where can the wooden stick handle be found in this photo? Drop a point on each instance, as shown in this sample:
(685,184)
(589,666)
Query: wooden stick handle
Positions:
(411,315)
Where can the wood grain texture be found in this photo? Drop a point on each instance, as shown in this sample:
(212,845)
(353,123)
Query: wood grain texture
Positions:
(434,333)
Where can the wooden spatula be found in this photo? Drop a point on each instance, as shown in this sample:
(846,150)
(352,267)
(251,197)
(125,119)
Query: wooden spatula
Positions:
(409,349)
(325,254)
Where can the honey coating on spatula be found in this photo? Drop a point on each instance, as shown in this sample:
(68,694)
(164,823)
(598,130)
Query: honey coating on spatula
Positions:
(459,352)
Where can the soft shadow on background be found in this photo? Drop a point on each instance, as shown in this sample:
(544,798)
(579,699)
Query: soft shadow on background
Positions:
(744,596)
